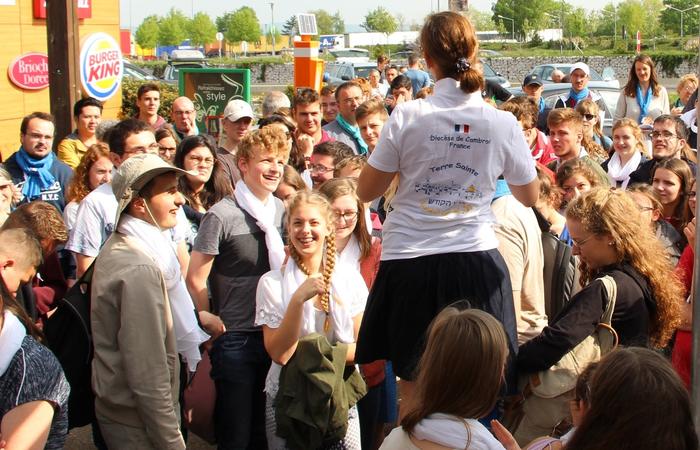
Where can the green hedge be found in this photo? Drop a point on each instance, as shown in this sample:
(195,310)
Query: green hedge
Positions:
(168,93)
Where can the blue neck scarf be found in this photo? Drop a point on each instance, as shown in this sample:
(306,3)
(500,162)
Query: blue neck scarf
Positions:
(541,104)
(502,189)
(354,132)
(643,103)
(37,171)
(578,96)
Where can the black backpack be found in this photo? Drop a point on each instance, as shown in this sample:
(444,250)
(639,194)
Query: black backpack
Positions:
(560,274)
(69,336)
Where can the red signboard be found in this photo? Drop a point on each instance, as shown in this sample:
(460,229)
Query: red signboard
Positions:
(29,71)
(84,9)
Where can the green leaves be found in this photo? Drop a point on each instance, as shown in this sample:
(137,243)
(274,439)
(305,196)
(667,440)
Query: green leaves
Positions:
(380,20)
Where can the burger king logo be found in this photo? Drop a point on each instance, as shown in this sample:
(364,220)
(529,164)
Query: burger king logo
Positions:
(101,66)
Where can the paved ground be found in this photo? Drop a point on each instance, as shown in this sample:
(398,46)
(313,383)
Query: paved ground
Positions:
(81,439)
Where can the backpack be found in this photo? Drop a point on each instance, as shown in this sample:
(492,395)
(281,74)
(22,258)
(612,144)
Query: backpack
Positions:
(69,337)
(560,274)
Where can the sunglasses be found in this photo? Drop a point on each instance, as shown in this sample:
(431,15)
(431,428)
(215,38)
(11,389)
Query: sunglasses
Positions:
(589,117)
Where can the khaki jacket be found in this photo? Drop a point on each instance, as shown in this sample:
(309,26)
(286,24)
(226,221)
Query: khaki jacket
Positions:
(135,370)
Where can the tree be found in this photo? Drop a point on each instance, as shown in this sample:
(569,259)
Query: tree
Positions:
(576,22)
(481,20)
(640,15)
(400,21)
(337,23)
(380,20)
(671,19)
(147,33)
(527,15)
(242,25)
(324,21)
(173,28)
(202,30)
(290,26)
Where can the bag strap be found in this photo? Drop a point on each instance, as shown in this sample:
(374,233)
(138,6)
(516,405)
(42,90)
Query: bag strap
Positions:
(611,289)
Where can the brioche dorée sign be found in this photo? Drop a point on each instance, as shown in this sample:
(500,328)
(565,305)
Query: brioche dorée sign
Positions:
(84,9)
(29,71)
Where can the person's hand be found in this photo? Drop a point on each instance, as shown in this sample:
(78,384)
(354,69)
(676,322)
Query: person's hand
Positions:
(677,111)
(16,194)
(389,101)
(212,324)
(311,287)
(503,435)
(647,121)
(401,99)
(689,232)
(305,143)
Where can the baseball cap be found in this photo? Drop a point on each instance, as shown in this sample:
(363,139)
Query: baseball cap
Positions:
(134,174)
(532,79)
(236,109)
(581,65)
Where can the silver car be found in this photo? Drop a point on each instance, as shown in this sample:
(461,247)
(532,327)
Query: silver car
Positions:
(544,71)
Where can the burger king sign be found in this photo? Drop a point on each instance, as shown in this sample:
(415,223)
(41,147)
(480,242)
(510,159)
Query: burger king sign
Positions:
(101,66)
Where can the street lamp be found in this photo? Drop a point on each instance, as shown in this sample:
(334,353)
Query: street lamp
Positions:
(272,26)
(512,25)
(682,11)
(561,30)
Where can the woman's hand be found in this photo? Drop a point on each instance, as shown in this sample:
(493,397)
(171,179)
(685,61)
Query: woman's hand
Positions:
(504,436)
(305,143)
(689,232)
(311,287)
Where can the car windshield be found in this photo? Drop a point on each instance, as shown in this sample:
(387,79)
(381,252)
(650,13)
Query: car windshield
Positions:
(595,76)
(610,98)
(488,71)
(177,67)
(363,72)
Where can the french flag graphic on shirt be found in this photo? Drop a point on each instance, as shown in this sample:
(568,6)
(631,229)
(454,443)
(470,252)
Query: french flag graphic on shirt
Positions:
(461,128)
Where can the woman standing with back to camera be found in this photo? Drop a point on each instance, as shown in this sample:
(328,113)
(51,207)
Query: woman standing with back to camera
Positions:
(439,247)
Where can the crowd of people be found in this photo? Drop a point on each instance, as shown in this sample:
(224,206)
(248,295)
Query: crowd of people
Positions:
(379,230)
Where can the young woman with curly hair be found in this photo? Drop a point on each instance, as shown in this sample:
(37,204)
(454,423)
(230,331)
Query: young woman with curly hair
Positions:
(95,168)
(610,238)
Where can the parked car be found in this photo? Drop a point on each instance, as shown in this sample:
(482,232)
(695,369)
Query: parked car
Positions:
(339,72)
(544,71)
(182,59)
(491,74)
(131,70)
(553,91)
(350,55)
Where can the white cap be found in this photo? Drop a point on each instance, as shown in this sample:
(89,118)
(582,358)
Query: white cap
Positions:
(583,66)
(237,109)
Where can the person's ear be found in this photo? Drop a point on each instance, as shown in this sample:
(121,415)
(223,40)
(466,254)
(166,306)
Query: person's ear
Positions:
(116,159)
(243,165)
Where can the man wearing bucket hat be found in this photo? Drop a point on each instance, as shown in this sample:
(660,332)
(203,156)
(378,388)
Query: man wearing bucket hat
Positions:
(142,316)
(237,121)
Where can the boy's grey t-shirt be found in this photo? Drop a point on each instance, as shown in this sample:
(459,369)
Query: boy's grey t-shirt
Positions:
(240,259)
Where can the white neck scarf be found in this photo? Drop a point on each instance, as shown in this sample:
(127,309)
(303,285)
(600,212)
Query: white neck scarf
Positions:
(159,246)
(351,253)
(11,336)
(265,216)
(450,431)
(618,174)
(339,315)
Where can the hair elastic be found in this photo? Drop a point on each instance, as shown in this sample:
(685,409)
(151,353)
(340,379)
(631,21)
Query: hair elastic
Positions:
(462,65)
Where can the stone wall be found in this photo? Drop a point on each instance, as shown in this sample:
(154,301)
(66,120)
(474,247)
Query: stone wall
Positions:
(515,69)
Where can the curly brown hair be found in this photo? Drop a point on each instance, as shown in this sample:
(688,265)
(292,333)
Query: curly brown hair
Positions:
(79,186)
(612,212)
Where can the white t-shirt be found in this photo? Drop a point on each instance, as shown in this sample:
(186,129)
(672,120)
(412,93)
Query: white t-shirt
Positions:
(95,222)
(449,150)
(70,213)
(348,299)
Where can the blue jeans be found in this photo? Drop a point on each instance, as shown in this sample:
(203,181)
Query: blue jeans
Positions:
(239,367)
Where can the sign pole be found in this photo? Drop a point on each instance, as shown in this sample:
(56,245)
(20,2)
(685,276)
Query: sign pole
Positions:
(63,50)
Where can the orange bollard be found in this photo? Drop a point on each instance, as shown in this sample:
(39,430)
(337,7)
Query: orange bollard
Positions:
(308,67)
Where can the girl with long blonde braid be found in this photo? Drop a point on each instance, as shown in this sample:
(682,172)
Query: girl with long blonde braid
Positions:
(312,293)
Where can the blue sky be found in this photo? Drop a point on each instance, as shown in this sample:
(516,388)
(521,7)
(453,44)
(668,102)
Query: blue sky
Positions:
(353,12)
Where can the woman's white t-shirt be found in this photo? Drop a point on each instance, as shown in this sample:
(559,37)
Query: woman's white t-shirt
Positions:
(449,150)
(348,299)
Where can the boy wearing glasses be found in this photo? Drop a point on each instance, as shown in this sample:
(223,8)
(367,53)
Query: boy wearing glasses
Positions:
(239,241)
(668,140)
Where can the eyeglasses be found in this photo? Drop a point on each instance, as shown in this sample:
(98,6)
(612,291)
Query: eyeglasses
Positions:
(184,113)
(347,216)
(153,148)
(351,100)
(198,160)
(583,241)
(318,168)
(589,117)
(662,134)
(164,149)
